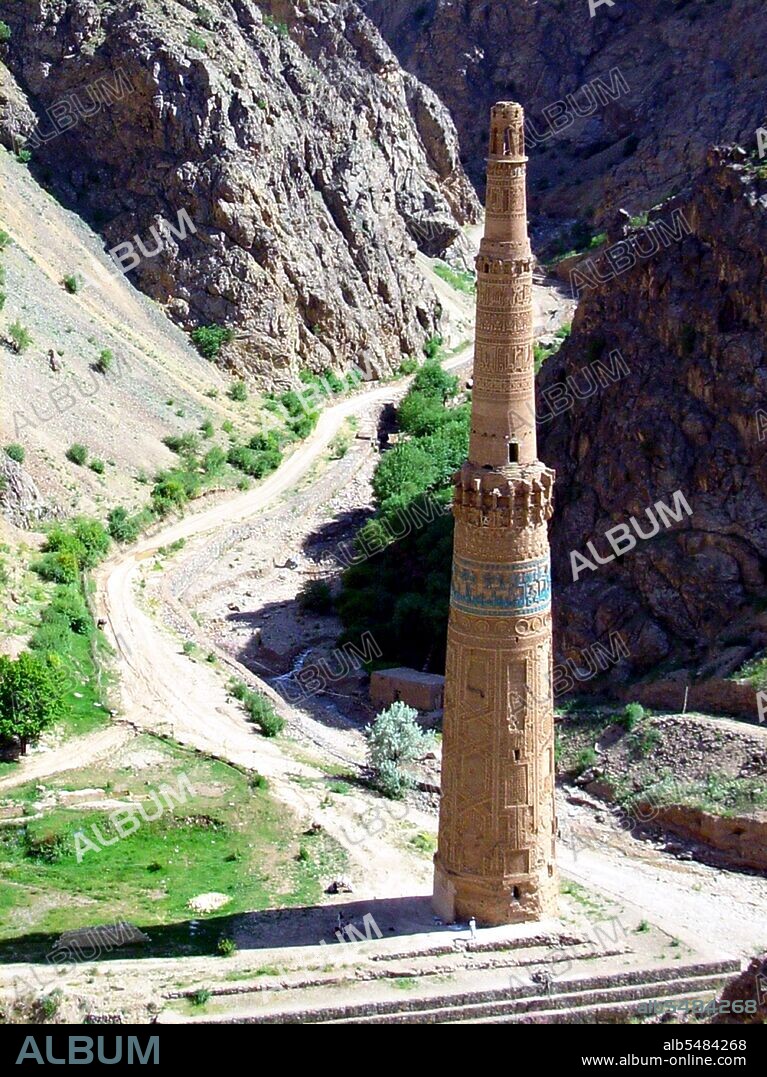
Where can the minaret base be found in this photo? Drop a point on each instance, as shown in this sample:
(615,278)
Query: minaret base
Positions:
(492,902)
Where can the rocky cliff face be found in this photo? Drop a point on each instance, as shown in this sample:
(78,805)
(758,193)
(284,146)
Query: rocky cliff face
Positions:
(681,408)
(308,163)
(676,78)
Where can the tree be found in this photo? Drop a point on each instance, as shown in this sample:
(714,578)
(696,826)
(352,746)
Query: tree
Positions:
(394,740)
(32,691)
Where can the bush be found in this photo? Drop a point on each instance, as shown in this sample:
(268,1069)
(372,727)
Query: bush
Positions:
(184,444)
(207,429)
(5,32)
(394,740)
(261,711)
(409,365)
(585,760)
(72,283)
(5,240)
(304,424)
(432,380)
(87,540)
(77,454)
(265,441)
(197,41)
(432,347)
(104,361)
(213,460)
(238,391)
(204,17)
(633,713)
(57,567)
(97,466)
(315,597)
(2,300)
(16,452)
(259,707)
(69,606)
(254,462)
(200,997)
(209,339)
(20,336)
(226,947)
(122,526)
(172,490)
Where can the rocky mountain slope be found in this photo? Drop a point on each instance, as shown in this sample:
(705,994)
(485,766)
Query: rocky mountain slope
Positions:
(691,74)
(682,411)
(310,165)
(156,385)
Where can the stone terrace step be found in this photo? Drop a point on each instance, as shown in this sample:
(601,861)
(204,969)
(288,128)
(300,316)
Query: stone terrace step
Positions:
(415,1008)
(519,1008)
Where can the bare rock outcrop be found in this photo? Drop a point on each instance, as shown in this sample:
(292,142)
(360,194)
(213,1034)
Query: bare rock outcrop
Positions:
(309,163)
(20,500)
(688,75)
(679,324)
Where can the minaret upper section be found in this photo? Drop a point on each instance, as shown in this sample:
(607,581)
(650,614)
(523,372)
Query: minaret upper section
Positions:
(503,401)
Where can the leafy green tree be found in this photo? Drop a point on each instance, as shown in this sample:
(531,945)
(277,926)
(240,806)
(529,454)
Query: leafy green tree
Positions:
(395,740)
(122,526)
(32,691)
(432,380)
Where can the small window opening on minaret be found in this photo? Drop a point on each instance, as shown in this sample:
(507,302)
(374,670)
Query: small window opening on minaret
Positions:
(513,452)
(515,893)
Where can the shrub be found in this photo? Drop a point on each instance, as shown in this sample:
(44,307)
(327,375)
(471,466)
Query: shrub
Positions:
(24,157)
(209,339)
(200,997)
(184,444)
(20,336)
(265,441)
(213,460)
(104,361)
(72,283)
(172,490)
(97,466)
(585,760)
(5,240)
(5,32)
(432,346)
(87,540)
(77,454)
(57,567)
(633,713)
(238,391)
(261,711)
(394,740)
(254,462)
(204,17)
(16,452)
(2,300)
(315,597)
(432,380)
(122,526)
(409,365)
(207,429)
(226,947)
(304,424)
(50,1004)
(69,606)
(197,41)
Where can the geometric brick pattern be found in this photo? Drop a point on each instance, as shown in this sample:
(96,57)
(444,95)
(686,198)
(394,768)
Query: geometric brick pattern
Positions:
(495,858)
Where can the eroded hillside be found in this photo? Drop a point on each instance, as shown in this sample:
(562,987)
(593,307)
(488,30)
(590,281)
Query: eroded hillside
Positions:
(310,165)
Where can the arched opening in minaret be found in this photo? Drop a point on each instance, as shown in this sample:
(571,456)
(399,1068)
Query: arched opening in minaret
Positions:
(513,452)
(515,893)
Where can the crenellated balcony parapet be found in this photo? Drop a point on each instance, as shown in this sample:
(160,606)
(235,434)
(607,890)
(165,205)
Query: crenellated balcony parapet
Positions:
(519,496)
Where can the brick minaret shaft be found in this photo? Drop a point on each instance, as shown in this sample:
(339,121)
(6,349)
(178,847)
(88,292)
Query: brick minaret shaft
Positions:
(497,825)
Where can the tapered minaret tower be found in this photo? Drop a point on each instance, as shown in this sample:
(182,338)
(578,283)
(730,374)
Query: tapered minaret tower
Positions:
(495,857)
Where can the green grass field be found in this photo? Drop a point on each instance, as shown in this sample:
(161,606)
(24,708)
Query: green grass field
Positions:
(229,837)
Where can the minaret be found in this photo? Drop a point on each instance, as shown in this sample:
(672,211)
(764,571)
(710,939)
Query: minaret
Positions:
(497,824)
